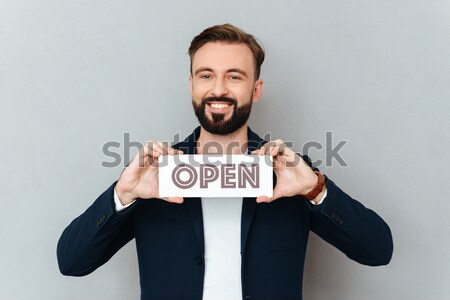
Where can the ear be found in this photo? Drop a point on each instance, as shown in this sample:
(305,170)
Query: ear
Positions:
(257,90)
(190,84)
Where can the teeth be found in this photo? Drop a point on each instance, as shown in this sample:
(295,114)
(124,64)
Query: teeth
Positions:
(219,105)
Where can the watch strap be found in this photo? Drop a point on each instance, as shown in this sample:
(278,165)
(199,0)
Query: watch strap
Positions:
(317,188)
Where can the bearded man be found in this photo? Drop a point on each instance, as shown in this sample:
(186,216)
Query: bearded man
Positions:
(222,248)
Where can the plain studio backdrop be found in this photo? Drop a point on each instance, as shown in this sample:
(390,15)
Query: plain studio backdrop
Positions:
(75,75)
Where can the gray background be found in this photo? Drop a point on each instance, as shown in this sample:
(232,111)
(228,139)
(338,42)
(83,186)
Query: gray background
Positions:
(77,74)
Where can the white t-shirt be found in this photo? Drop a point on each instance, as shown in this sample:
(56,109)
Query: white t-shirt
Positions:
(222,227)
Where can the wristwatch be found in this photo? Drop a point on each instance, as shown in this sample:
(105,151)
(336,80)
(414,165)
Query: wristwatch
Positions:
(318,188)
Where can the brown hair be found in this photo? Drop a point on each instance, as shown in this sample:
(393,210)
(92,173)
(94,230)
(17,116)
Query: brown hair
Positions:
(231,34)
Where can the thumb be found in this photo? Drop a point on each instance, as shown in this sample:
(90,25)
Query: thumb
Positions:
(276,194)
(178,200)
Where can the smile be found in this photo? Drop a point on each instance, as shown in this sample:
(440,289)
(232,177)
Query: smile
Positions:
(219,107)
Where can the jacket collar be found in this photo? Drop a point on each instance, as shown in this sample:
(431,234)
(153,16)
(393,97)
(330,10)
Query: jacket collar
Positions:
(188,145)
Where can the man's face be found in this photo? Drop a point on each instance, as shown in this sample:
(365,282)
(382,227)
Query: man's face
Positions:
(223,86)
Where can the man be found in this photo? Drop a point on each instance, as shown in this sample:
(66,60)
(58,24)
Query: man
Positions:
(223,248)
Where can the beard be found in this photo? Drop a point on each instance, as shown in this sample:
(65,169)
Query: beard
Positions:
(218,124)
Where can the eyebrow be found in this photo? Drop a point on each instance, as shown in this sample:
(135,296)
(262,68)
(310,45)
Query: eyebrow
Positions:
(202,69)
(236,70)
(206,69)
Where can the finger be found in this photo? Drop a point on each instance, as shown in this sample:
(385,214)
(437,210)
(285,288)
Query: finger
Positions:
(280,148)
(276,150)
(293,159)
(137,159)
(258,152)
(141,159)
(174,151)
(162,147)
(153,149)
(178,200)
(166,149)
(266,148)
(255,152)
(266,199)
(263,199)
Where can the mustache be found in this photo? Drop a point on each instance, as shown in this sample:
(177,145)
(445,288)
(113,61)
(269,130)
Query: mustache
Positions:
(220,99)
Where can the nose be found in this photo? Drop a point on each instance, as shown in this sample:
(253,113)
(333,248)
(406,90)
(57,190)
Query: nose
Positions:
(220,88)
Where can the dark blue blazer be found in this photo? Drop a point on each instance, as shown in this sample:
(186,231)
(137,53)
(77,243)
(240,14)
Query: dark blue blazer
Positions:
(170,242)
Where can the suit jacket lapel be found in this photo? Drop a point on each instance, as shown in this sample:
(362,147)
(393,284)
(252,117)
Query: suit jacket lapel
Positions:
(248,211)
(194,205)
(249,204)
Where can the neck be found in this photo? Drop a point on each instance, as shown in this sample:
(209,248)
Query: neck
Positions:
(233,143)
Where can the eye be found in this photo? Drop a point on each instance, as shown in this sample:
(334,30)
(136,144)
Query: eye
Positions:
(235,77)
(205,76)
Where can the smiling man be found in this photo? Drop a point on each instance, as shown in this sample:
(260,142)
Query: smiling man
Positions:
(222,248)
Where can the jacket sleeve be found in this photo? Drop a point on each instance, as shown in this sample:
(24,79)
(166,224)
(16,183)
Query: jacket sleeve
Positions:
(357,231)
(94,237)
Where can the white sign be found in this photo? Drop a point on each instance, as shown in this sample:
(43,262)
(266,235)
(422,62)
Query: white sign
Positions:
(215,175)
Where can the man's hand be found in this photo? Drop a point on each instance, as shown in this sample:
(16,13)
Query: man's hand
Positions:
(294,176)
(140,178)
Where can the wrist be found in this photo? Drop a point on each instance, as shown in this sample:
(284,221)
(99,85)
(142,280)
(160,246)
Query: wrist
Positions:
(311,184)
(318,188)
(124,196)
(320,196)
